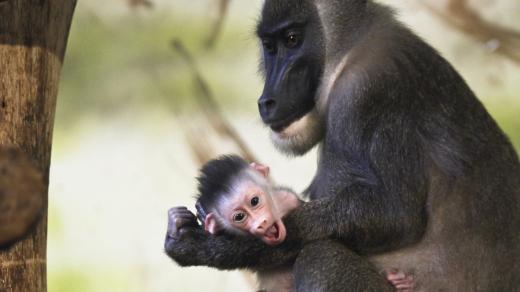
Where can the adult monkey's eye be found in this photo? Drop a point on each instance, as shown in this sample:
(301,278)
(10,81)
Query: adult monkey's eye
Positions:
(269,46)
(293,40)
(255,200)
(239,217)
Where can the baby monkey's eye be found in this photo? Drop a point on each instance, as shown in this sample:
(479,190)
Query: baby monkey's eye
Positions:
(239,217)
(255,200)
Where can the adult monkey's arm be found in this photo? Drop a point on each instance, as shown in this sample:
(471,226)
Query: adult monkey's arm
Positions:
(192,246)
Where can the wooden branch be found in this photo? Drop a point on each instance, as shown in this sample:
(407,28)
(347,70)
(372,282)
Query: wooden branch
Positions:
(22,192)
(197,132)
(217,23)
(140,4)
(33,36)
(210,108)
(459,15)
(197,139)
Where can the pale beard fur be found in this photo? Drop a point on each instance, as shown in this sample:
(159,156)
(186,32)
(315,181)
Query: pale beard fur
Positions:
(300,136)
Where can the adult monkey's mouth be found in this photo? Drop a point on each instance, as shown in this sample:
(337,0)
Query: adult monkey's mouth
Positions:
(280,125)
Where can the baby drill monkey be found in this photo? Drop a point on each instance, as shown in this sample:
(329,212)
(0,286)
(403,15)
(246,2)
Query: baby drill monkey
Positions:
(238,198)
(245,204)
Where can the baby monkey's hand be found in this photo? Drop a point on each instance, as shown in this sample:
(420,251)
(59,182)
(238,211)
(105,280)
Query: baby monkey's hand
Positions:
(178,218)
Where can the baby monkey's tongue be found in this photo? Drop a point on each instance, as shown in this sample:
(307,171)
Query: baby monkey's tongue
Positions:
(273,231)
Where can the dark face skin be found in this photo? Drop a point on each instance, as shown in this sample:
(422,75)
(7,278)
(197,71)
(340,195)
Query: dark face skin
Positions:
(293,64)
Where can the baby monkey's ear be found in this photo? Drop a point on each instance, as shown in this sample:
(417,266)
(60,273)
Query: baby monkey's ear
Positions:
(262,169)
(211,224)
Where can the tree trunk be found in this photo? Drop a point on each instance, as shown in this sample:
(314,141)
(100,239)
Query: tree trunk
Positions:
(21,195)
(33,35)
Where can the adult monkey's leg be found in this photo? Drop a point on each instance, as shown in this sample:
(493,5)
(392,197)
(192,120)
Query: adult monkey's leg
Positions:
(327,265)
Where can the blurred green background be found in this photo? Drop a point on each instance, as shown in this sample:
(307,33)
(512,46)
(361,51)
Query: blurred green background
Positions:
(120,159)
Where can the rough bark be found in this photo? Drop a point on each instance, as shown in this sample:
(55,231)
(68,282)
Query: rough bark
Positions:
(33,36)
(21,195)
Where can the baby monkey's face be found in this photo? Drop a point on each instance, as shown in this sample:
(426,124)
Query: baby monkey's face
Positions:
(252,210)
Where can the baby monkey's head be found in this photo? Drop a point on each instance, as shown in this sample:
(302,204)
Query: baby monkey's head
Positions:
(237,197)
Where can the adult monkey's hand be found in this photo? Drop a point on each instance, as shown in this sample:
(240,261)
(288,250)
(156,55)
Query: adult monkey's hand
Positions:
(188,244)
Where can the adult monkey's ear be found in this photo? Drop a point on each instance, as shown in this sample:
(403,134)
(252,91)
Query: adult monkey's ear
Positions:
(262,169)
(211,224)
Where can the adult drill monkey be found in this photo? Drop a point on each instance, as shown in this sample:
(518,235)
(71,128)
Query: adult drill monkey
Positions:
(413,173)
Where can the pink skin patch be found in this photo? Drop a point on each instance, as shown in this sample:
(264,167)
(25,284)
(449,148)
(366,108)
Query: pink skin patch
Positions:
(253,209)
(262,220)
(275,234)
(401,281)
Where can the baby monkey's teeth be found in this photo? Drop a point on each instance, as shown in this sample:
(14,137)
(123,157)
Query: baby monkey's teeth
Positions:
(271,230)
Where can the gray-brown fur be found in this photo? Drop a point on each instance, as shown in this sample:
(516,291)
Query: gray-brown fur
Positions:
(413,173)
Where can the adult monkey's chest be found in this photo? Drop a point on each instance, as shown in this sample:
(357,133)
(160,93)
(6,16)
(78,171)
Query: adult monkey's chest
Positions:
(338,168)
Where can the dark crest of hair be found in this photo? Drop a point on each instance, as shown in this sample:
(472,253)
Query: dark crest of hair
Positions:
(215,179)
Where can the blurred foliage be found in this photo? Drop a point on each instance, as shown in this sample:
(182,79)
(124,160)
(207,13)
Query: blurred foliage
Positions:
(507,116)
(78,280)
(128,64)
(120,68)
(124,64)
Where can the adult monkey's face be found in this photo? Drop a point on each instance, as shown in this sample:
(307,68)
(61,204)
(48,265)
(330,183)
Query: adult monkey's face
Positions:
(293,62)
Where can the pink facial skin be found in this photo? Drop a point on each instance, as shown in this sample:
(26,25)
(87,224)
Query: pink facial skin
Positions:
(251,210)
(261,220)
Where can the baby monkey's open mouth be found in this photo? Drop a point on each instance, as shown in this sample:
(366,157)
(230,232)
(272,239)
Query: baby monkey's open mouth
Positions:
(273,232)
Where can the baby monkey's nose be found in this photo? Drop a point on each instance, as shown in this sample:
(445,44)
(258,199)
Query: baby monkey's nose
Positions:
(261,226)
